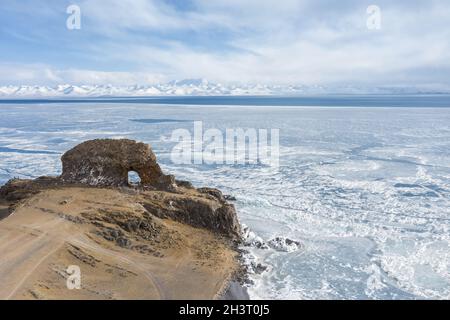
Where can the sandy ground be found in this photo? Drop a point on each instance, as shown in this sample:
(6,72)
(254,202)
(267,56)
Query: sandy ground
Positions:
(58,228)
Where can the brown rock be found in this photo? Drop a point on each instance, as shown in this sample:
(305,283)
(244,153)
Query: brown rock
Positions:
(198,210)
(106,162)
(217,194)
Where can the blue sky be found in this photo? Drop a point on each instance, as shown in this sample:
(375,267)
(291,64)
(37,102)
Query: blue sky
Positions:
(125,42)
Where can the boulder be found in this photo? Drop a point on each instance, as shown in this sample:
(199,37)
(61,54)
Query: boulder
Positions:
(107,162)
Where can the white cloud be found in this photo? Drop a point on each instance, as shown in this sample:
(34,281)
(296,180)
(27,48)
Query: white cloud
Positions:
(43,74)
(289,41)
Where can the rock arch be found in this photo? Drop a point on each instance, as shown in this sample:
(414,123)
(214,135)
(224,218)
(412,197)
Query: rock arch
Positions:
(133,178)
(106,162)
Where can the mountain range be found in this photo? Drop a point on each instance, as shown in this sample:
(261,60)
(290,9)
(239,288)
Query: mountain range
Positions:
(195,87)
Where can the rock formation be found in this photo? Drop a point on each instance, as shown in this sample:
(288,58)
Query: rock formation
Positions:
(107,162)
(199,210)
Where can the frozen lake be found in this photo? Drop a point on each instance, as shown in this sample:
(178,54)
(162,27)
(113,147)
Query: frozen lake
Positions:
(365,189)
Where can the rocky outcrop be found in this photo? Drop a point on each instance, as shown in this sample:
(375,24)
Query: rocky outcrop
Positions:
(197,210)
(123,251)
(16,190)
(107,162)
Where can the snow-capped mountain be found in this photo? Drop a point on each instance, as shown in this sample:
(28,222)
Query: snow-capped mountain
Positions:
(176,88)
(191,87)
